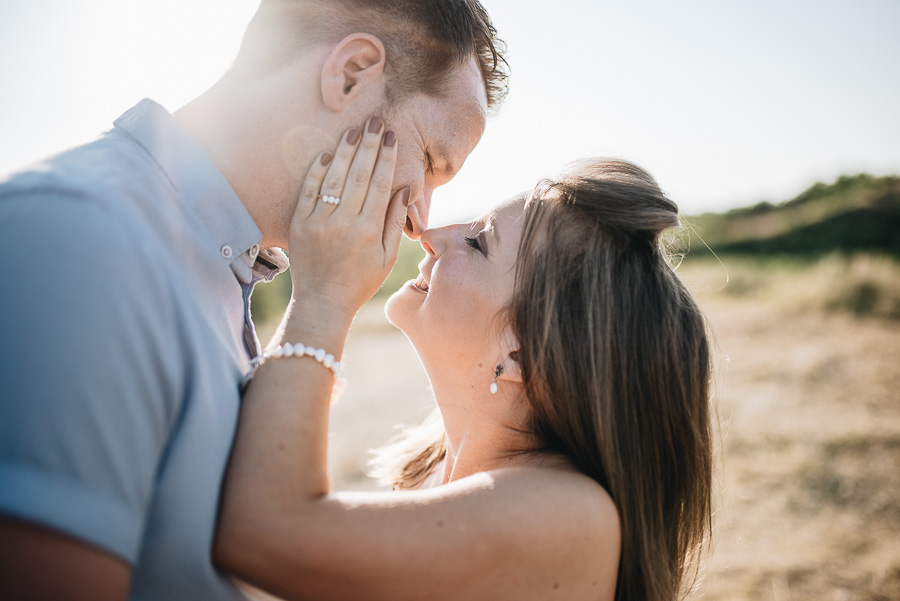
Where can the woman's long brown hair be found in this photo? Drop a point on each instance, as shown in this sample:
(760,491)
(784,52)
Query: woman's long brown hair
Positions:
(616,366)
(616,362)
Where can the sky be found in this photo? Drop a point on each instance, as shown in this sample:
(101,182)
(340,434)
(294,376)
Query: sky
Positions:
(727,103)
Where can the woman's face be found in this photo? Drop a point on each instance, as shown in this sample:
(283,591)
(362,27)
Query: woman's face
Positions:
(450,313)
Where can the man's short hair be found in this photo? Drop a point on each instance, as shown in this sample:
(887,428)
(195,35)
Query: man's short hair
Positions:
(424,40)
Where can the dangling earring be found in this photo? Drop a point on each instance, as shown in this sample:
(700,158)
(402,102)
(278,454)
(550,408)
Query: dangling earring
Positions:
(497,371)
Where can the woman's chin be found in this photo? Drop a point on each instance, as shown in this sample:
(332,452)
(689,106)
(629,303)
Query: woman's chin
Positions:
(388,310)
(396,307)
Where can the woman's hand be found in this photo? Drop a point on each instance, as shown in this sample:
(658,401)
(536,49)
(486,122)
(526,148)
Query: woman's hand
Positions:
(341,253)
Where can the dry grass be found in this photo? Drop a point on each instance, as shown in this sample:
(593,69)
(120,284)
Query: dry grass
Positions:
(809,398)
(864,285)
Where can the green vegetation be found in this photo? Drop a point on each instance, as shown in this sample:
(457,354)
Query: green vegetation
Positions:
(854,214)
(864,285)
(835,247)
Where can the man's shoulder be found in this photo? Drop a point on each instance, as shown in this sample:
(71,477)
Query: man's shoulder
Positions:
(98,171)
(104,196)
(56,225)
(87,249)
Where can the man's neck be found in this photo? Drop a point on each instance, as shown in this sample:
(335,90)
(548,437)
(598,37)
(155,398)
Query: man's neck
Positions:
(261,150)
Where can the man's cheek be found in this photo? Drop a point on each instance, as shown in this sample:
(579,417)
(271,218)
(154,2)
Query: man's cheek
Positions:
(408,174)
(403,179)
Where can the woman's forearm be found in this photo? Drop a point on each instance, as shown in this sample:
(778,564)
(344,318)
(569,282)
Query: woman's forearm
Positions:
(282,463)
(341,251)
(288,455)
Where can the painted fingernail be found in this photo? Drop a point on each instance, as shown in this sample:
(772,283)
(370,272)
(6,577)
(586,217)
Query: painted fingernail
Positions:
(353,136)
(326,159)
(374,125)
(405,198)
(390,139)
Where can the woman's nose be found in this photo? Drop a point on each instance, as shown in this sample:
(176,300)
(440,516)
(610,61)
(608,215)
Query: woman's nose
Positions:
(437,240)
(428,240)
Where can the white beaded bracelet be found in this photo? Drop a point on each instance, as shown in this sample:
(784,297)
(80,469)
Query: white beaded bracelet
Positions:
(300,350)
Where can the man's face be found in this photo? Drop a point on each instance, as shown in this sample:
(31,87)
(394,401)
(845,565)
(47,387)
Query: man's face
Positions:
(435,136)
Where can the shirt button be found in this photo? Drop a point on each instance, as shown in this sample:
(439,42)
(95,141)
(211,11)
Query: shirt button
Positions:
(254,251)
(226,252)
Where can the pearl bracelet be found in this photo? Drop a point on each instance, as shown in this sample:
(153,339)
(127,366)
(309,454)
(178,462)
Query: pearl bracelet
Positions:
(300,350)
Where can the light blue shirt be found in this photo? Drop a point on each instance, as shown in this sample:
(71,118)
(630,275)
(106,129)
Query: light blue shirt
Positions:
(126,266)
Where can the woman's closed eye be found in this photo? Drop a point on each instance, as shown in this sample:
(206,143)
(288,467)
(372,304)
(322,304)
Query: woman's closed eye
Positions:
(475,243)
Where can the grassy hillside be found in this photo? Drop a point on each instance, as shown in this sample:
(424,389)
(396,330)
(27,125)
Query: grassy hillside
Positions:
(854,214)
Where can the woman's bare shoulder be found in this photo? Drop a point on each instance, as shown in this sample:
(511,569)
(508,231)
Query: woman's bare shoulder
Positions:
(566,522)
(561,492)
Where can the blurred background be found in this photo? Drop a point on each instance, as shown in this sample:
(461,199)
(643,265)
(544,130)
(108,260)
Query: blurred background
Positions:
(774,126)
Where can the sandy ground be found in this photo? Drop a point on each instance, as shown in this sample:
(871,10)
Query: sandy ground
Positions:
(387,387)
(809,404)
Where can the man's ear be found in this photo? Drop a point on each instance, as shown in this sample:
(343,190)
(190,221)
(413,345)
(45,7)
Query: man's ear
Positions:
(355,66)
(512,369)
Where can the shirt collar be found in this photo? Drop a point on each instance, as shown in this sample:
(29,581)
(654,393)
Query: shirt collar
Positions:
(202,186)
(259,265)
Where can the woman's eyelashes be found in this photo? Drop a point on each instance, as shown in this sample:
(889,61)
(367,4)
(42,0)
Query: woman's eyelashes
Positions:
(476,243)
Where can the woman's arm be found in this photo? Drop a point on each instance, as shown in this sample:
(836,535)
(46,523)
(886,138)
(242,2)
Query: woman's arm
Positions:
(340,255)
(521,533)
(517,533)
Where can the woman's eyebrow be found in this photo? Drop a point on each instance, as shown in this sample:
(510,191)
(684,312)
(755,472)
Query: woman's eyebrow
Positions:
(490,240)
(486,224)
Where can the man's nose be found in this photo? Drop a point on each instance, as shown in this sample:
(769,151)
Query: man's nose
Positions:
(417,216)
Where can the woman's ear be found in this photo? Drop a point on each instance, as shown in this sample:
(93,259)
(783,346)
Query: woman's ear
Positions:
(512,369)
(353,68)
